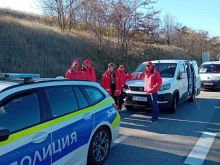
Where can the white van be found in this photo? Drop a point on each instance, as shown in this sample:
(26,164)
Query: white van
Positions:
(180,82)
(210,75)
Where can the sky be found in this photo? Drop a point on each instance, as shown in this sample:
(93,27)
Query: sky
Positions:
(196,14)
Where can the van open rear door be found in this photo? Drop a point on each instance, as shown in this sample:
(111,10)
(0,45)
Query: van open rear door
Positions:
(197,81)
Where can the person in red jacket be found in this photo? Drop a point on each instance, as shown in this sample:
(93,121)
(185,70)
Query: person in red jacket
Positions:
(111,82)
(152,83)
(88,71)
(123,76)
(74,72)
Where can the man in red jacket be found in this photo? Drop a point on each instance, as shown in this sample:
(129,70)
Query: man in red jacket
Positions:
(152,83)
(111,82)
(123,76)
(88,71)
(74,72)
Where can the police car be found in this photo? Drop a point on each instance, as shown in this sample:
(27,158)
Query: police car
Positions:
(55,121)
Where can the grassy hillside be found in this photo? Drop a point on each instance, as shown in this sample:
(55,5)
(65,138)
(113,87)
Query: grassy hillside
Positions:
(28,43)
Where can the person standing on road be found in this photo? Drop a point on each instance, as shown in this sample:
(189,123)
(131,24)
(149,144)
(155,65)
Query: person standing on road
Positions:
(152,83)
(123,76)
(74,72)
(88,71)
(111,82)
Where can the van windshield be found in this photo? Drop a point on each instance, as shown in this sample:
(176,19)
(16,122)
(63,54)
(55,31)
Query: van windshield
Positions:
(209,68)
(167,70)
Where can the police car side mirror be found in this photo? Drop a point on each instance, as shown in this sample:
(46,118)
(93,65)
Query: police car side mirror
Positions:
(4,134)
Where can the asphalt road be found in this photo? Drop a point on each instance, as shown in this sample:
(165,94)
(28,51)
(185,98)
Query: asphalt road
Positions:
(178,138)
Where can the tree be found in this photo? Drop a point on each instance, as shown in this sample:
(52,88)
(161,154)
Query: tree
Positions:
(169,24)
(63,10)
(128,20)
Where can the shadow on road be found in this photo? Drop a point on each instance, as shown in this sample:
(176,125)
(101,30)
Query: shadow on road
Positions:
(190,119)
(149,154)
(170,140)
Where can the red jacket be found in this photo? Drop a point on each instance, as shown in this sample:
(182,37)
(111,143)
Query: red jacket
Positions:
(71,74)
(123,76)
(106,83)
(152,81)
(89,74)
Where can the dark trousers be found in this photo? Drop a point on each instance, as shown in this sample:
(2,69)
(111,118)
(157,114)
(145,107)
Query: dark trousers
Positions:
(116,99)
(113,88)
(121,100)
(152,99)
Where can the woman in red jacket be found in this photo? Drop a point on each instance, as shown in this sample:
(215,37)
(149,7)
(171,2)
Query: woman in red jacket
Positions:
(123,76)
(74,72)
(111,82)
(88,71)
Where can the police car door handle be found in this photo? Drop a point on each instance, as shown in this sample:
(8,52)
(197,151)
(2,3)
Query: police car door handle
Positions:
(39,137)
(87,116)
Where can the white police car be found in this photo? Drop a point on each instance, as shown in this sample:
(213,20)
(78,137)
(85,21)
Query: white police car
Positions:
(55,121)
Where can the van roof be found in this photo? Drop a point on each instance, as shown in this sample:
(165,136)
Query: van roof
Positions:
(167,61)
(212,62)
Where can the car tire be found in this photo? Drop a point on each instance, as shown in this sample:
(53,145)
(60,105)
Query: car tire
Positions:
(173,104)
(99,147)
(192,98)
(129,107)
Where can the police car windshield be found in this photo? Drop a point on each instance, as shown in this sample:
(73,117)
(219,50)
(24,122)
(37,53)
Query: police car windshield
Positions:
(209,68)
(167,70)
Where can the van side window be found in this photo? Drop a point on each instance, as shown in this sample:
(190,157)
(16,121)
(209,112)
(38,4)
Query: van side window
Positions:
(20,111)
(62,100)
(181,70)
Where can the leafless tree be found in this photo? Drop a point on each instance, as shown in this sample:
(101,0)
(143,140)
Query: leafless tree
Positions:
(128,20)
(169,24)
(63,10)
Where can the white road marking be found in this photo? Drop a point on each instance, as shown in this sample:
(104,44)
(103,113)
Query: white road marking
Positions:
(201,149)
(119,140)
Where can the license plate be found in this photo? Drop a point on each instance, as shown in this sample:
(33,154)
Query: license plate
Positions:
(137,98)
(208,83)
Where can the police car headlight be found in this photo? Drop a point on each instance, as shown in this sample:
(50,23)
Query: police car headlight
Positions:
(165,87)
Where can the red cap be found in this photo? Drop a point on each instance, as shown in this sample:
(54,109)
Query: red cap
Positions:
(149,63)
(87,62)
(75,62)
(121,66)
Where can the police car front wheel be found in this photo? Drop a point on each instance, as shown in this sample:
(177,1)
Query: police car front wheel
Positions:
(99,147)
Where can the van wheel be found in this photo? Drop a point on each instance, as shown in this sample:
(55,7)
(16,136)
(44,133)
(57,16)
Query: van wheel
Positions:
(192,98)
(99,147)
(129,108)
(174,104)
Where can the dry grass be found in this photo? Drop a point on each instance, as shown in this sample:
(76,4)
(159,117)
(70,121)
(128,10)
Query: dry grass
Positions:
(28,44)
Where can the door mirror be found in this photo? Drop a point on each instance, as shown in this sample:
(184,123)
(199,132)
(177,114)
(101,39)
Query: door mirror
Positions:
(184,76)
(4,134)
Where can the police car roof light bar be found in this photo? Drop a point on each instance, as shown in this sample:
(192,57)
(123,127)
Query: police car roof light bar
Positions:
(26,76)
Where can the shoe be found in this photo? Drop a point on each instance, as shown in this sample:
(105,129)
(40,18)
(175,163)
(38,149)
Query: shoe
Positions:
(150,119)
(154,120)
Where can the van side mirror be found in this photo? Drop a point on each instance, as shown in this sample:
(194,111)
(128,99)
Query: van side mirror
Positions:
(4,134)
(184,76)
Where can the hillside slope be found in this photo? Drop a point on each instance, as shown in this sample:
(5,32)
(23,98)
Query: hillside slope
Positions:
(27,44)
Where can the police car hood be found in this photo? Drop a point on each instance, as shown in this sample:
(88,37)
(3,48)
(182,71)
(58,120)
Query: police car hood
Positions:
(140,83)
(209,76)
